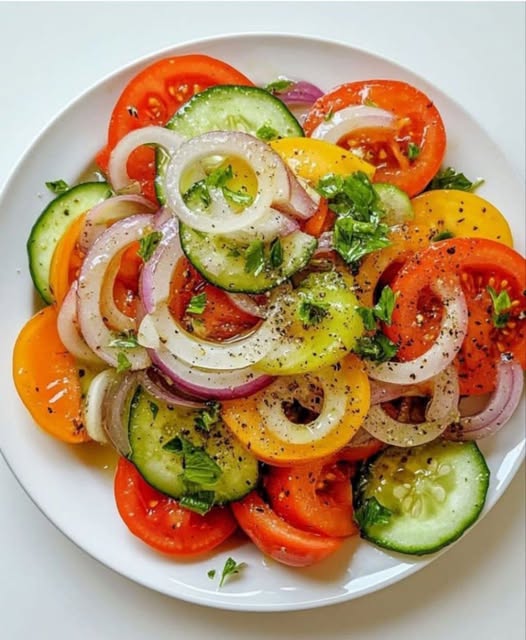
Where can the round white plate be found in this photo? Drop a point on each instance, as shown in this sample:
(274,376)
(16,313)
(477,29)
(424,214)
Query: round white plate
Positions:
(73,485)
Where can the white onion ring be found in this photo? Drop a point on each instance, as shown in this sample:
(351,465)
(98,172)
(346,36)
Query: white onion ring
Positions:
(92,410)
(246,303)
(153,135)
(115,410)
(501,406)
(69,331)
(158,327)
(349,119)
(271,225)
(114,317)
(452,333)
(271,172)
(151,381)
(91,279)
(208,384)
(385,392)
(108,211)
(440,413)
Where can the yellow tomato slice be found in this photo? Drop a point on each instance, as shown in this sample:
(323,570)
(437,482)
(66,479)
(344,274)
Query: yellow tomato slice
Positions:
(269,441)
(461,214)
(66,260)
(312,159)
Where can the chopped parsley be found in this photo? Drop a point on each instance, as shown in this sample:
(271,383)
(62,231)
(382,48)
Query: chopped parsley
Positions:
(231,568)
(57,186)
(201,502)
(449,178)
(211,574)
(383,309)
(276,253)
(267,133)
(208,417)
(501,306)
(123,364)
(443,235)
(312,313)
(199,193)
(371,512)
(255,258)
(197,304)
(198,467)
(124,340)
(413,151)
(377,348)
(219,177)
(280,85)
(148,244)
(238,197)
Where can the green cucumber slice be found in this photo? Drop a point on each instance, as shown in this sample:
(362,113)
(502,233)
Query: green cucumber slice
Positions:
(395,202)
(229,108)
(432,494)
(223,261)
(51,225)
(152,424)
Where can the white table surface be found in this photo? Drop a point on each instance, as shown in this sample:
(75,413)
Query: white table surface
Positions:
(51,52)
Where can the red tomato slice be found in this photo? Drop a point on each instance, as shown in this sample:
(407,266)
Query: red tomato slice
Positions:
(161,523)
(220,320)
(479,263)
(153,96)
(315,497)
(278,539)
(418,130)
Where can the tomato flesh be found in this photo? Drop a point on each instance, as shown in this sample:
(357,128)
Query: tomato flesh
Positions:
(160,522)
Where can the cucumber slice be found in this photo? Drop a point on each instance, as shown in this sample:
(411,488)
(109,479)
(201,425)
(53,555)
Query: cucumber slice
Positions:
(51,225)
(229,108)
(421,499)
(153,424)
(395,202)
(223,261)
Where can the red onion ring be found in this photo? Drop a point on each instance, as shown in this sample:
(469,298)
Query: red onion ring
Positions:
(152,383)
(501,405)
(300,92)
(385,392)
(248,304)
(115,411)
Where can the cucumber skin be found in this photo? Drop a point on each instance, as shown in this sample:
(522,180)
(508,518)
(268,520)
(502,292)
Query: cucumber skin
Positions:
(46,225)
(359,483)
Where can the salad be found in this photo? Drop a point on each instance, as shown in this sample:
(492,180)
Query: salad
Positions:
(282,311)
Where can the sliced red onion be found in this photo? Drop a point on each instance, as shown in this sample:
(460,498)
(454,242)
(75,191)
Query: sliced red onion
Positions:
(114,317)
(301,204)
(159,327)
(95,397)
(154,383)
(273,183)
(268,227)
(440,413)
(501,406)
(325,243)
(163,215)
(300,92)
(109,211)
(115,410)
(248,304)
(69,331)
(349,119)
(105,249)
(385,392)
(444,349)
(159,136)
(210,384)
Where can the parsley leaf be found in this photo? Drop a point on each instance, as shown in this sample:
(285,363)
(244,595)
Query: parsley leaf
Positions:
(154,408)
(451,179)
(238,197)
(231,568)
(278,86)
(219,177)
(124,340)
(276,253)
(57,186)
(501,305)
(383,309)
(353,239)
(208,417)
(211,574)
(255,258)
(200,502)
(148,244)
(371,512)
(198,194)
(443,235)
(123,364)
(198,467)
(311,313)
(413,151)
(266,132)
(377,348)
(197,304)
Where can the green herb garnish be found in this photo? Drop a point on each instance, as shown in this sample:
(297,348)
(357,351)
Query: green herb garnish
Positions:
(231,568)
(443,235)
(451,179)
(413,151)
(154,408)
(208,417)
(501,306)
(198,194)
(278,86)
(124,340)
(200,502)
(211,574)
(198,467)
(377,348)
(57,186)
(238,197)
(371,512)
(382,310)
(267,133)
(276,253)
(312,313)
(197,304)
(255,258)
(148,244)
(123,364)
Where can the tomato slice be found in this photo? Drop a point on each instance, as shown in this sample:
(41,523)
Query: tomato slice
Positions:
(479,263)
(278,539)
(66,261)
(221,319)
(418,130)
(161,523)
(315,497)
(153,96)
(47,379)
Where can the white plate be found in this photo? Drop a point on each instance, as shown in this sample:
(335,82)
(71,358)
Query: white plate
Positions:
(73,485)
